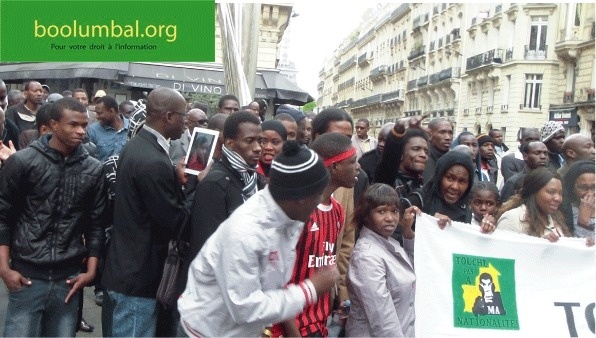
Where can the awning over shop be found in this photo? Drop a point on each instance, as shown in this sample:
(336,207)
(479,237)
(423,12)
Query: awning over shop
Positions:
(177,73)
(201,78)
(187,78)
(278,87)
(63,70)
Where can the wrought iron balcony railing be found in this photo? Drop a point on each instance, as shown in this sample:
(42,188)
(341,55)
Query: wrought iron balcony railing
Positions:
(493,56)
(535,54)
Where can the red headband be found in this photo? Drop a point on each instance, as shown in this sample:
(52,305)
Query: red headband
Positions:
(340,157)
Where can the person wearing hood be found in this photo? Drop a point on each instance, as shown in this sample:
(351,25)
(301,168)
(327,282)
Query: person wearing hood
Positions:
(447,193)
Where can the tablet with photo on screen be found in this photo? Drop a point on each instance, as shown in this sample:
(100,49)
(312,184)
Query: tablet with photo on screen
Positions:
(201,149)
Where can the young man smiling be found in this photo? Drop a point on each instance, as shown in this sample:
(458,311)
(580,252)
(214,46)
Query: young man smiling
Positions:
(110,131)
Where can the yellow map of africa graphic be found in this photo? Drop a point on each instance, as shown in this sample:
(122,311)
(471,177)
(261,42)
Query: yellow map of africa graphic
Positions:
(472,291)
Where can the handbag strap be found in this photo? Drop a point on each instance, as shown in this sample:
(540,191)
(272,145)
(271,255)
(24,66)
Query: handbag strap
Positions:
(182,226)
(180,247)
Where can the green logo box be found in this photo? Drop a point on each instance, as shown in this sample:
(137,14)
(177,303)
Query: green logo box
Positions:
(83,30)
(484,293)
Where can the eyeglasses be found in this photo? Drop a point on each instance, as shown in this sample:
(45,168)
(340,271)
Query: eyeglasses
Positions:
(201,122)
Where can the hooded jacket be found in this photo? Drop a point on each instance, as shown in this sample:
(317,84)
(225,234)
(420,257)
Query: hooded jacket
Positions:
(48,204)
(430,199)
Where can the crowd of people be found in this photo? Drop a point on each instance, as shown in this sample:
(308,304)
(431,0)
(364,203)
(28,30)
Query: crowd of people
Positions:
(295,220)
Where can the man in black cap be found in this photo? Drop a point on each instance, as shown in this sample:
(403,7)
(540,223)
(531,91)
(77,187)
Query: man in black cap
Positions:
(237,282)
(302,135)
(46,92)
(289,123)
(489,168)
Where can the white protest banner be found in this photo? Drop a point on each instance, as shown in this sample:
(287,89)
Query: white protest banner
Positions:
(503,284)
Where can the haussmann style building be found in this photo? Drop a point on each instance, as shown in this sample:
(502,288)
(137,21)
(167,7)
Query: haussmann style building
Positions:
(483,66)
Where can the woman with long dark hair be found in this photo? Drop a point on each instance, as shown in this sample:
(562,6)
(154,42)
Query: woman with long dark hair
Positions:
(534,211)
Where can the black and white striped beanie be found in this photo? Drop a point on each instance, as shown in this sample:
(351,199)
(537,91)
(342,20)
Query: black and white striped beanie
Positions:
(296,173)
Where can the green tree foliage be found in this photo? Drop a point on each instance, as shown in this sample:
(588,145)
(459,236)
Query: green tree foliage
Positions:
(309,106)
(211,99)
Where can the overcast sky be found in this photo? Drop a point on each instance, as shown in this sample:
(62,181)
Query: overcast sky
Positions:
(317,31)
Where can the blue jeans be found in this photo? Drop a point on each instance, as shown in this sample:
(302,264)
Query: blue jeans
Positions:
(39,310)
(132,316)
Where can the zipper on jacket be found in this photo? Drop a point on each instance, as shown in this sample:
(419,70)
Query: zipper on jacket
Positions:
(58,216)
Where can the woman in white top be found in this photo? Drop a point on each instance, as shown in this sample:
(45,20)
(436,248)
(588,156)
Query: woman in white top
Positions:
(381,279)
(534,210)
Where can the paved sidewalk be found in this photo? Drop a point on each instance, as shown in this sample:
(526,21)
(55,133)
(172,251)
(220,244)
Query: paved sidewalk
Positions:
(92,314)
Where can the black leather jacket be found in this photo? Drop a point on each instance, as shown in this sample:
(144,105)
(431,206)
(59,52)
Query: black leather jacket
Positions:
(52,210)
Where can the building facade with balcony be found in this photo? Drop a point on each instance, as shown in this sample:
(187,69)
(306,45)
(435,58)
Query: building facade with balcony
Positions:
(482,65)
(574,94)
(511,69)
(435,60)
(366,74)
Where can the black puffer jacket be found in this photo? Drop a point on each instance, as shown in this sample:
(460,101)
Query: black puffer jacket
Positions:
(48,204)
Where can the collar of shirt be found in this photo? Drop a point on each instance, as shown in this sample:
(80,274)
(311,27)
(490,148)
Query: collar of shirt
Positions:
(125,125)
(368,139)
(165,144)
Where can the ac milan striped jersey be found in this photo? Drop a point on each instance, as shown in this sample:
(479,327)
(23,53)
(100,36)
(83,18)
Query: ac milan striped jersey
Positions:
(316,249)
